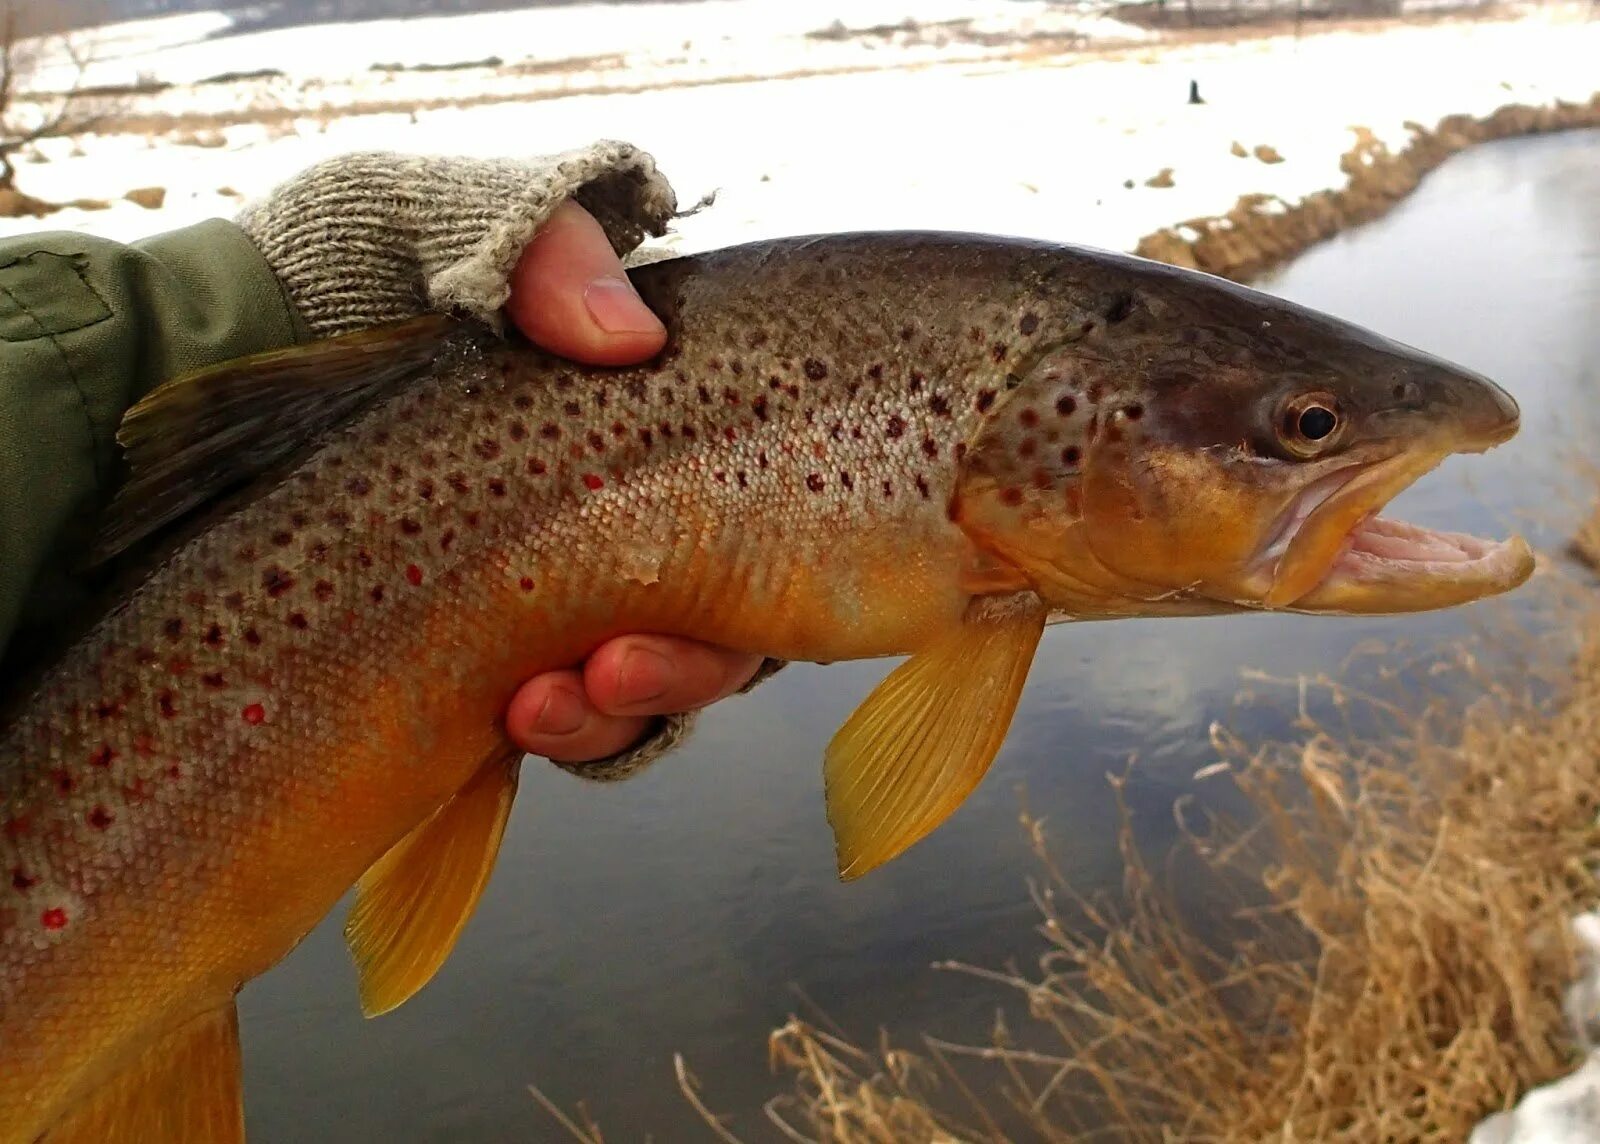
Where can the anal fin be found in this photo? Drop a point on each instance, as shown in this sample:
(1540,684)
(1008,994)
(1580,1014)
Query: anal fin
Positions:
(183,1088)
(413,903)
(923,740)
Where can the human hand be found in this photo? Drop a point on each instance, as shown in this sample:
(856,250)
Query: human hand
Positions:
(569,294)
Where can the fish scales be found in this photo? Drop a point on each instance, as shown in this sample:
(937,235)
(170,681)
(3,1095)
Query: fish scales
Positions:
(853,446)
(296,688)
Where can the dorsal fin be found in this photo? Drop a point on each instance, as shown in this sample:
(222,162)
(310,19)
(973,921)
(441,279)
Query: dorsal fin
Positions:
(199,436)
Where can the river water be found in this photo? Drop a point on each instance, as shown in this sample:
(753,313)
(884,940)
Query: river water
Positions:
(675,912)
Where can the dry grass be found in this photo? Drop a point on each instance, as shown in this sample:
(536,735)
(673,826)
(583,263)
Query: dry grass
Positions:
(1395,968)
(1390,968)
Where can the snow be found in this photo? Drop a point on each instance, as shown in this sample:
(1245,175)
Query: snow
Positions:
(1035,144)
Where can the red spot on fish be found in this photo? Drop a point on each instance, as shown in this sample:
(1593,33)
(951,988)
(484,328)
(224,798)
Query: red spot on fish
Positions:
(376,593)
(1133,412)
(179,666)
(409,526)
(54,918)
(731,396)
(252,637)
(998,352)
(688,431)
(20,879)
(323,590)
(105,710)
(814,370)
(571,409)
(446,539)
(167,704)
(1012,497)
(526,583)
(814,482)
(1028,447)
(896,425)
(875,371)
(1028,324)
(172,628)
(1066,406)
(413,575)
(985,400)
(497,487)
(922,487)
(276,581)
(1028,418)
(174,771)
(517,430)
(358,486)
(592,482)
(1070,456)
(940,404)
(596,442)
(930,447)
(100,818)
(535,466)
(458,483)
(282,539)
(213,679)
(17,827)
(549,431)
(888,490)
(298,621)
(846,480)
(728,433)
(65,783)
(253,714)
(144,744)
(213,636)
(102,755)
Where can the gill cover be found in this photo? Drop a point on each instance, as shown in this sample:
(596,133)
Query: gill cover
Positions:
(1063,480)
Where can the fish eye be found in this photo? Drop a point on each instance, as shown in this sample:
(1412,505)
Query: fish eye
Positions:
(1310,423)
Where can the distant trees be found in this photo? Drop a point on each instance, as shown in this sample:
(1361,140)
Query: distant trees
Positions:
(27,118)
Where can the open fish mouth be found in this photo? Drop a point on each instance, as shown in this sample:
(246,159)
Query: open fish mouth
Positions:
(1331,551)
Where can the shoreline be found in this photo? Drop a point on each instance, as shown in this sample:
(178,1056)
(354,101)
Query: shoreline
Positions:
(1250,240)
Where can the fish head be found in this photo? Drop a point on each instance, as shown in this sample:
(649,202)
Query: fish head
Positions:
(1196,447)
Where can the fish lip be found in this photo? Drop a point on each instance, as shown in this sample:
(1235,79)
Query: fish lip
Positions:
(1320,536)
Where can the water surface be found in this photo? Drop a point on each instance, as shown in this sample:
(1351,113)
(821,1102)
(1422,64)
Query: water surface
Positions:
(673,912)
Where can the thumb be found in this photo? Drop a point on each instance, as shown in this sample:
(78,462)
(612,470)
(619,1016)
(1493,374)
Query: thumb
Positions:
(570,295)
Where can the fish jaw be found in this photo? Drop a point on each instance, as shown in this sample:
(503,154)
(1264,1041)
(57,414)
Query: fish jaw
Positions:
(1333,553)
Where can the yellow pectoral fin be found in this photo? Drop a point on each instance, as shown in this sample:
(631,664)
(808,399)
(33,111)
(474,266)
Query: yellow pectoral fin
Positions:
(413,903)
(184,1086)
(922,741)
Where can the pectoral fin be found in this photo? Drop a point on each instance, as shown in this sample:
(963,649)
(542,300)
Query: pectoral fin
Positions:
(922,741)
(413,903)
(183,1086)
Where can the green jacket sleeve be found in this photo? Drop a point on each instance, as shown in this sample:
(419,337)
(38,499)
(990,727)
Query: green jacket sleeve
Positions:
(87,327)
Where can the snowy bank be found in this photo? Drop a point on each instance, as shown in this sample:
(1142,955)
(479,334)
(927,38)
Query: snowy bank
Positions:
(1057,145)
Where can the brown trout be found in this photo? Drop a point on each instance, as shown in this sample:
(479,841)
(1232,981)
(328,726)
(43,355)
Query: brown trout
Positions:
(854,446)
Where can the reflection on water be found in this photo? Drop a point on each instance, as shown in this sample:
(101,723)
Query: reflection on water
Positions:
(673,912)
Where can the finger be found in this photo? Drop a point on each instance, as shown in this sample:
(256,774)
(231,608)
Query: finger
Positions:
(660,675)
(551,716)
(570,295)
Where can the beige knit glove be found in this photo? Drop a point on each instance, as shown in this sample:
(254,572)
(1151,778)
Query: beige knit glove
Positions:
(369,238)
(378,237)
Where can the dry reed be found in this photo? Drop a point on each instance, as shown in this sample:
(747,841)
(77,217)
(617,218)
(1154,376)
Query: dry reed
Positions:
(1394,956)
